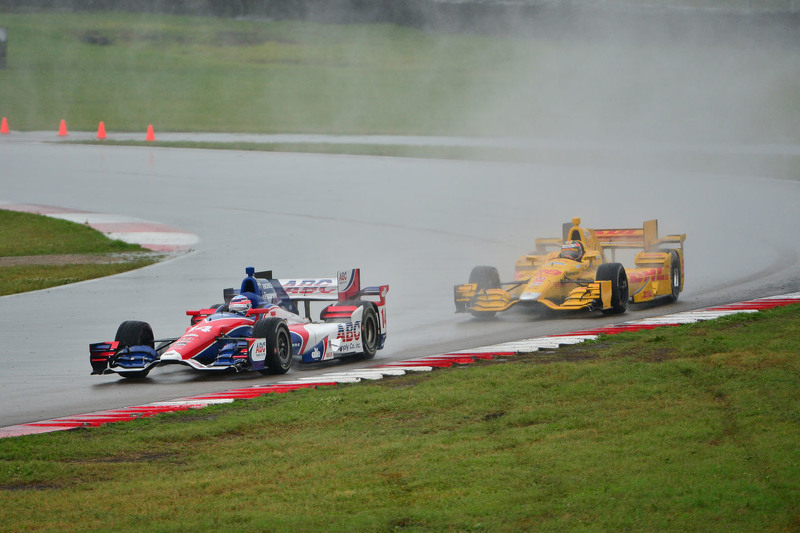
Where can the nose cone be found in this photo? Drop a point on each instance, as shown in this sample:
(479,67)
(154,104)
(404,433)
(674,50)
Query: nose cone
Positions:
(529,296)
(171,355)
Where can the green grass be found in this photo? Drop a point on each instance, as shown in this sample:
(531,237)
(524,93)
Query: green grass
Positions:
(202,74)
(26,278)
(31,234)
(684,428)
(26,234)
(207,74)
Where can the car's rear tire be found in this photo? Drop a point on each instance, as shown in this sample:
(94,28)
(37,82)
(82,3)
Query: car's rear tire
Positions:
(135,333)
(675,276)
(370,330)
(370,324)
(279,344)
(615,273)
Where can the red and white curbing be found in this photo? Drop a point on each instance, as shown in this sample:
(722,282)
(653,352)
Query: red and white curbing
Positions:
(150,235)
(419,364)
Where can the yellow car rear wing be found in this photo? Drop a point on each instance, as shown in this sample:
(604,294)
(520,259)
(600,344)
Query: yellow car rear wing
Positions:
(645,238)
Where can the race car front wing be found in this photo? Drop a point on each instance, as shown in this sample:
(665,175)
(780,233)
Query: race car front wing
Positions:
(108,357)
(595,295)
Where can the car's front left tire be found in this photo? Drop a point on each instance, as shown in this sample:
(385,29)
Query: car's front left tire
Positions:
(279,344)
(615,273)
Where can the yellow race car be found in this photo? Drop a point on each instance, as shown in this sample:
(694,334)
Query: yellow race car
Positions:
(577,273)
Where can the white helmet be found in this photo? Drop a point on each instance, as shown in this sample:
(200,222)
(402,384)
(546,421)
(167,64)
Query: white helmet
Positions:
(240,304)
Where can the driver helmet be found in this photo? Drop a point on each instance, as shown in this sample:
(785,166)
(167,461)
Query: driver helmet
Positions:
(572,250)
(240,304)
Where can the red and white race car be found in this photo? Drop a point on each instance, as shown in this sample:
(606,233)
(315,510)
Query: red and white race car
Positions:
(259,327)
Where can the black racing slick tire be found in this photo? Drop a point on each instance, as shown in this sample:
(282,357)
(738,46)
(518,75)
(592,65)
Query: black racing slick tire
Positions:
(279,344)
(615,273)
(483,315)
(485,277)
(675,276)
(370,330)
(135,333)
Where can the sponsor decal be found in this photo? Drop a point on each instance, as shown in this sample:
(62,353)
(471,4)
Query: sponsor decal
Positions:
(543,276)
(350,331)
(258,350)
(605,232)
(550,272)
(309,286)
(186,339)
(320,352)
(650,274)
(344,281)
(348,337)
(348,283)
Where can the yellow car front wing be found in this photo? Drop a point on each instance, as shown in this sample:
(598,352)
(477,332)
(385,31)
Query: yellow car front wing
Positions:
(469,298)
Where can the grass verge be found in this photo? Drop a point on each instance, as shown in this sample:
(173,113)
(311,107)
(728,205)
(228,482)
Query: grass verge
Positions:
(203,74)
(215,75)
(691,427)
(29,238)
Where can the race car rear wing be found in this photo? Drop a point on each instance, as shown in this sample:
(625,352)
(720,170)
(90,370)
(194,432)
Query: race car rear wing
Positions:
(645,238)
(345,287)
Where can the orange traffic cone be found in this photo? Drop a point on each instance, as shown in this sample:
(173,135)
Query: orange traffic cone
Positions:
(4,126)
(150,135)
(62,129)
(101,131)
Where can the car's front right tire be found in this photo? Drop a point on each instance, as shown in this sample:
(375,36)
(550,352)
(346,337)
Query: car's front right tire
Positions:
(135,333)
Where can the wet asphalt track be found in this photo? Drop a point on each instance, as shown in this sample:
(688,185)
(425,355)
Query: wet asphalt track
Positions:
(419,225)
